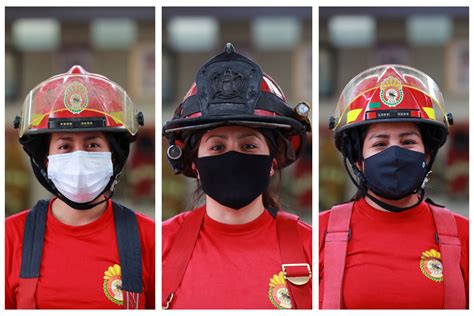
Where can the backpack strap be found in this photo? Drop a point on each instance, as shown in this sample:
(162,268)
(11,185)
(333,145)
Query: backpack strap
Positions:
(450,248)
(177,262)
(128,239)
(32,252)
(295,268)
(338,234)
(130,254)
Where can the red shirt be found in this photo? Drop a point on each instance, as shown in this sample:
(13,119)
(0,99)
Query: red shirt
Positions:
(74,262)
(386,264)
(233,266)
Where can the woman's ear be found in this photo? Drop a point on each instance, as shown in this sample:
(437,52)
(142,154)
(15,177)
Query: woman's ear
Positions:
(274,166)
(427,158)
(360,165)
(194,169)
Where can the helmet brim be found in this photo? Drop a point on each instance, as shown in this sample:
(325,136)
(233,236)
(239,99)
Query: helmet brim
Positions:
(285,124)
(390,120)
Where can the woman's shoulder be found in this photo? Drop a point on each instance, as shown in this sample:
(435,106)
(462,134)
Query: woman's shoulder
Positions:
(144,220)
(460,219)
(173,224)
(16,220)
(170,228)
(304,229)
(15,226)
(146,226)
(462,224)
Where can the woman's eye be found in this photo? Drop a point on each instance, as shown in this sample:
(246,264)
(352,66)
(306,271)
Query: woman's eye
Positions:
(409,142)
(378,144)
(249,146)
(93,145)
(63,147)
(217,147)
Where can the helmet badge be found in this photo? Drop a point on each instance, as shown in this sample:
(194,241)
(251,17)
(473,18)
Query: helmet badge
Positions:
(228,85)
(391,92)
(76,97)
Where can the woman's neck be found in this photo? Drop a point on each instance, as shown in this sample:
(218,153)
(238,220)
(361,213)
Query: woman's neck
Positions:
(70,216)
(402,203)
(227,215)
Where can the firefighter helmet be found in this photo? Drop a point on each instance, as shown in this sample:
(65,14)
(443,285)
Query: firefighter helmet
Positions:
(231,89)
(389,93)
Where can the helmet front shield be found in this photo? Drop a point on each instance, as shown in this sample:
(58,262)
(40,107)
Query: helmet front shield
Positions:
(390,93)
(77,101)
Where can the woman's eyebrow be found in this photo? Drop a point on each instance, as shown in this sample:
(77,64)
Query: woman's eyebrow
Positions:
(92,137)
(386,136)
(409,134)
(63,138)
(250,135)
(379,136)
(223,136)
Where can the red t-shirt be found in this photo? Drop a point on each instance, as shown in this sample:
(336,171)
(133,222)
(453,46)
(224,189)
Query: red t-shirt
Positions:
(233,266)
(391,260)
(75,261)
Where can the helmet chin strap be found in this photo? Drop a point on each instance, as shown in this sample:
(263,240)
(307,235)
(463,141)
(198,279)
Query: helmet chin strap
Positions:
(393,208)
(386,206)
(84,206)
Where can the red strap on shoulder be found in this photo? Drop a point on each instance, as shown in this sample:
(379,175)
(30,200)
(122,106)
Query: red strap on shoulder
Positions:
(295,266)
(182,248)
(450,248)
(337,237)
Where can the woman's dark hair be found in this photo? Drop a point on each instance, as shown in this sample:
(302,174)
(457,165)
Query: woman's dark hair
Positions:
(361,133)
(270,196)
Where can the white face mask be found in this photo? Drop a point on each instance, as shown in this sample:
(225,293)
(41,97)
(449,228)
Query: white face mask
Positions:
(80,176)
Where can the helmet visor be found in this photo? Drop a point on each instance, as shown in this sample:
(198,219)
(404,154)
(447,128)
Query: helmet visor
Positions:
(390,93)
(77,102)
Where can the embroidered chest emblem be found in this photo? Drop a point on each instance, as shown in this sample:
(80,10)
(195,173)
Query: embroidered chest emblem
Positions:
(113,284)
(278,292)
(431,266)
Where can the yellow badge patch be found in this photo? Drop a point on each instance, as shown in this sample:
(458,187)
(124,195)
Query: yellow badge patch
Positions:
(113,284)
(431,266)
(76,97)
(391,91)
(278,292)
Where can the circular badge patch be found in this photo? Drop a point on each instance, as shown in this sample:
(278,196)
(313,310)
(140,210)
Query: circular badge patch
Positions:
(431,266)
(391,92)
(113,284)
(76,97)
(278,292)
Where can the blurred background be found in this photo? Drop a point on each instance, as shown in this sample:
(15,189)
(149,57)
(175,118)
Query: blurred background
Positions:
(434,40)
(278,39)
(118,43)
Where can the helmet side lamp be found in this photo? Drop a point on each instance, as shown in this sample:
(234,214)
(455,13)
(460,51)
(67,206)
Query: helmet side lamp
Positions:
(302,112)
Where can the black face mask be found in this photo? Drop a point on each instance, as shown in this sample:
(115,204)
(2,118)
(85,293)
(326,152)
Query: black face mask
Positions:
(395,173)
(234,179)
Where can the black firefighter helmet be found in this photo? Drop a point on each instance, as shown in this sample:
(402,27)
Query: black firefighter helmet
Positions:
(231,89)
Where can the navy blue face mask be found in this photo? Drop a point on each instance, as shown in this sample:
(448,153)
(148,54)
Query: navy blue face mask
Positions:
(234,179)
(395,173)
